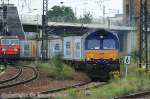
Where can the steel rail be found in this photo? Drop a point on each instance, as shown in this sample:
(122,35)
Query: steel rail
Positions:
(14,77)
(35,75)
(65,88)
(134,95)
(74,86)
(92,85)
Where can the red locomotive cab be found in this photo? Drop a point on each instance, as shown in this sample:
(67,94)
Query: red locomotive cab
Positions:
(9,46)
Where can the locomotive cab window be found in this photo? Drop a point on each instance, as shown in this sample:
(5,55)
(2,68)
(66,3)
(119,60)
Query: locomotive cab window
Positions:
(93,44)
(109,44)
(14,42)
(5,41)
(10,41)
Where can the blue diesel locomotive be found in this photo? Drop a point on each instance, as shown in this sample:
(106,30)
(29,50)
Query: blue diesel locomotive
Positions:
(101,53)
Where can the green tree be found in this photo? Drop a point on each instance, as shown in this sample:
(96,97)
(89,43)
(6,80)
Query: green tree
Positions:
(87,18)
(59,14)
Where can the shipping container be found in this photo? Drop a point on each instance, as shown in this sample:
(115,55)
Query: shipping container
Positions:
(34,49)
(73,48)
(26,47)
(39,49)
(54,47)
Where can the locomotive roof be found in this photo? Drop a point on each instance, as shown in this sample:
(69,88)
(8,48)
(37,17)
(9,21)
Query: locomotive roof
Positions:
(9,37)
(101,32)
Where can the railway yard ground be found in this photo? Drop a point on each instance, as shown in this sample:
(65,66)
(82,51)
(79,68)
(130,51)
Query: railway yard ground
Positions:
(42,83)
(1,73)
(79,86)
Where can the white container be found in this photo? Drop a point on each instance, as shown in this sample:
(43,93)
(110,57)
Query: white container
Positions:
(54,47)
(73,49)
(26,49)
(39,46)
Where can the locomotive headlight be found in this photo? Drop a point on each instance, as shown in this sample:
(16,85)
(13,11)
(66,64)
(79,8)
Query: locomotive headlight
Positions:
(3,49)
(101,37)
(88,59)
(114,58)
(15,49)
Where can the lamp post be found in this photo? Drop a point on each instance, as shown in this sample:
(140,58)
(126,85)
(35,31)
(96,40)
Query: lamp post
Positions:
(44,46)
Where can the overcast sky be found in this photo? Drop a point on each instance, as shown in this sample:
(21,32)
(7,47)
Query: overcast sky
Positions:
(95,7)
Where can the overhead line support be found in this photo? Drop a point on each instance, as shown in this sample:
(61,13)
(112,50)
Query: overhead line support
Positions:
(44,49)
(143,48)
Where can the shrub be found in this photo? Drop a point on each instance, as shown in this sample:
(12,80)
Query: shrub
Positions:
(56,68)
(52,70)
(135,56)
(57,62)
(67,72)
(72,94)
(117,87)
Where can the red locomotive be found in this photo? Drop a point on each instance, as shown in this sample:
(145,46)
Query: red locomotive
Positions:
(9,49)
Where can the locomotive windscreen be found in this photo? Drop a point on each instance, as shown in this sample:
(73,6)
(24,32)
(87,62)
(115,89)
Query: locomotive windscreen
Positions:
(109,44)
(10,41)
(101,39)
(93,44)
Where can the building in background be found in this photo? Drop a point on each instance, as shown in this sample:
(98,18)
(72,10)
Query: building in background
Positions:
(131,10)
(131,16)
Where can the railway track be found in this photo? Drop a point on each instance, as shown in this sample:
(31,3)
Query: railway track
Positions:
(145,94)
(81,86)
(19,71)
(91,85)
(64,88)
(26,74)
